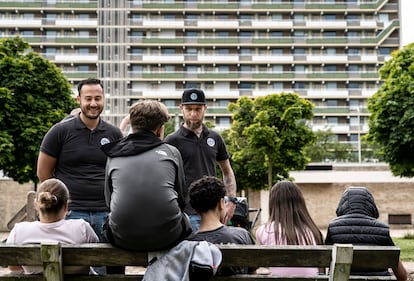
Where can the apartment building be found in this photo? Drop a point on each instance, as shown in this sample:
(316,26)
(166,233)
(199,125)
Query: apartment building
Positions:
(327,51)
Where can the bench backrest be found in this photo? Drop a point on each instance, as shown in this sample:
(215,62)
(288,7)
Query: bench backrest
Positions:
(337,258)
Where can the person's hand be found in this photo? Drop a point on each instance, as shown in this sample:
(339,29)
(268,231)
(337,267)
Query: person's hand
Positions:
(230,207)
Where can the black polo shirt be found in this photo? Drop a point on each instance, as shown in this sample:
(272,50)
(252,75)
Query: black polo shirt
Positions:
(80,160)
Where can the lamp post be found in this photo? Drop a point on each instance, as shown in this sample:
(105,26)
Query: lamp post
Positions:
(356,108)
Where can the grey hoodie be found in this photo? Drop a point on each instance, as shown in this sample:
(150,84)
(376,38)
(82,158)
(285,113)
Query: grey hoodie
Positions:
(145,192)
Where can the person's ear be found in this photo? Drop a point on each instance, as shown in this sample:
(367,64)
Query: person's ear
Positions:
(222,204)
(160,132)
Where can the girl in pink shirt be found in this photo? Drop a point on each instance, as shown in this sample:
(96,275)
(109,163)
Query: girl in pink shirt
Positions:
(289,224)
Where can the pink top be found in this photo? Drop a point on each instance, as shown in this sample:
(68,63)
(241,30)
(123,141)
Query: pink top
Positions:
(265,235)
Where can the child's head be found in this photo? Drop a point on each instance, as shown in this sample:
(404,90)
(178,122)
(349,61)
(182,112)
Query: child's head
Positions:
(52,196)
(206,193)
(285,200)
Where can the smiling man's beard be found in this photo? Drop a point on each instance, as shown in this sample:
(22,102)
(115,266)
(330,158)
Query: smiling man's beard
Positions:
(193,126)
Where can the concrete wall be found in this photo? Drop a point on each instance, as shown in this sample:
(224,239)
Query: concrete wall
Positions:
(13,198)
(322,190)
(322,200)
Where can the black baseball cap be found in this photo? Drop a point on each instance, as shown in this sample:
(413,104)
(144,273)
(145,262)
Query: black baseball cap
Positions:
(193,96)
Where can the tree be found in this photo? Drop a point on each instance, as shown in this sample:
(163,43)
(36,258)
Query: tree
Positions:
(391,121)
(34,95)
(267,138)
(327,149)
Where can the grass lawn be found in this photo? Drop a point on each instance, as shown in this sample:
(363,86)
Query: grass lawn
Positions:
(406,245)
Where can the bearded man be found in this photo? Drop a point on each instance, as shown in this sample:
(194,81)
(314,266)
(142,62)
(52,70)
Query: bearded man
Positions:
(201,150)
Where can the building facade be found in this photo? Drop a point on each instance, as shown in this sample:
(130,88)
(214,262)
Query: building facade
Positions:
(327,51)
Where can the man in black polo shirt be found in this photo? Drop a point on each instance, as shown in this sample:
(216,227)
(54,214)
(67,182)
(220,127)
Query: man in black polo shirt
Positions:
(71,151)
(202,149)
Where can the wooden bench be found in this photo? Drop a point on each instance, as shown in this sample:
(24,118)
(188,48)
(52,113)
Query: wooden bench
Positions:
(338,260)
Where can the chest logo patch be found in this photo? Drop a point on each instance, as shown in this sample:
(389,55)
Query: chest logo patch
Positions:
(104,141)
(211,142)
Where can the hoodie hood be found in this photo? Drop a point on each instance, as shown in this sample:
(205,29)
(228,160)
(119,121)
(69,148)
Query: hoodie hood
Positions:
(133,144)
(357,200)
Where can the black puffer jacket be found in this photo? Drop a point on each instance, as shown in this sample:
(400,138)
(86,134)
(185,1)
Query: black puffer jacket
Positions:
(357,221)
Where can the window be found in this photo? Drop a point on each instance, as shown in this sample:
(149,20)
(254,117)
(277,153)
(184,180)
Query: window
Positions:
(51,34)
(330,51)
(223,68)
(50,51)
(168,51)
(169,16)
(299,85)
(277,68)
(169,103)
(331,85)
(354,85)
(222,51)
(245,51)
(224,121)
(277,85)
(353,51)
(299,34)
(83,51)
(137,68)
(83,68)
(354,68)
(192,85)
(299,68)
(191,34)
(385,51)
(28,16)
(246,86)
(246,17)
(191,68)
(299,51)
(191,51)
(83,16)
(223,34)
(329,33)
(330,68)
(246,68)
(329,17)
(276,34)
(137,51)
(277,51)
(51,16)
(332,120)
(246,34)
(332,103)
(136,33)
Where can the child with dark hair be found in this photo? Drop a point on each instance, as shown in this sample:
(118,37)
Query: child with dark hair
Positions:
(207,198)
(289,224)
(51,202)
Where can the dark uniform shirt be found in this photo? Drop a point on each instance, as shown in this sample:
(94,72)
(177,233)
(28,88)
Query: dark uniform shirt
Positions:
(199,155)
(80,160)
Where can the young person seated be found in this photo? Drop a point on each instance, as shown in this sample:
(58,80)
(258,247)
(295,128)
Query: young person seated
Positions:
(289,224)
(357,223)
(51,202)
(207,198)
(144,185)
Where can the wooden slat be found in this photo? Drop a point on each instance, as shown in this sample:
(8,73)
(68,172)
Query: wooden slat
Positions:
(93,253)
(375,257)
(20,254)
(233,255)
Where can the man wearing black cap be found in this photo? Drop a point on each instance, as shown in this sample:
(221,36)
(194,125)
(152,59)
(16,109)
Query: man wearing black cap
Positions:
(201,149)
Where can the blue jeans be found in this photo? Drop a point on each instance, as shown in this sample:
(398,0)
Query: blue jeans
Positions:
(95,219)
(195,221)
